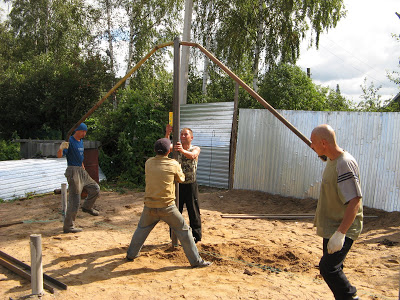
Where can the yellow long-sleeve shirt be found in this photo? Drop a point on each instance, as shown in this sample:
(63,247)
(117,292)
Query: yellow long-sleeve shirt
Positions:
(161,173)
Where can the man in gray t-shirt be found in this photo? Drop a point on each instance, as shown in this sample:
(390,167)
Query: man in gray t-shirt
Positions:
(339,214)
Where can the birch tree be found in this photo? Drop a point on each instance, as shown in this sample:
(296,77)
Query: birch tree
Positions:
(266,31)
(150,22)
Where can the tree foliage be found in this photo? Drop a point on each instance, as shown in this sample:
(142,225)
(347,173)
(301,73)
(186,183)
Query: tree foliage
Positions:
(44,92)
(51,25)
(287,87)
(266,32)
(51,73)
(284,86)
(151,22)
(372,100)
(128,133)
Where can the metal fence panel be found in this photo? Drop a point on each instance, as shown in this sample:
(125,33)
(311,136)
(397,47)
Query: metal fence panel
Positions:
(211,124)
(20,178)
(271,158)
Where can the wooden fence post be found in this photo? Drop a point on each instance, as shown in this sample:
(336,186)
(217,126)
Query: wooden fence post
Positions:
(36,264)
(63,200)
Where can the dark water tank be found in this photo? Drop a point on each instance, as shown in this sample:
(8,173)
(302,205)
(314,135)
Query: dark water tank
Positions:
(91,163)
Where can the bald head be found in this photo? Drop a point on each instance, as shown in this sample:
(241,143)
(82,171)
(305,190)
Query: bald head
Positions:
(323,142)
(325,132)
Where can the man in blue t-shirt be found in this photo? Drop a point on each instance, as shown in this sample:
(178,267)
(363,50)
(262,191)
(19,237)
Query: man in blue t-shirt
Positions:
(78,179)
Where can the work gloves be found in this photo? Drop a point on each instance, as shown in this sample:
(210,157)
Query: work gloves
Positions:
(64,145)
(336,242)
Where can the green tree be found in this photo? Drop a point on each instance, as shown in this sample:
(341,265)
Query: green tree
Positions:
(287,87)
(334,100)
(394,76)
(62,27)
(151,22)
(51,71)
(44,92)
(9,150)
(371,99)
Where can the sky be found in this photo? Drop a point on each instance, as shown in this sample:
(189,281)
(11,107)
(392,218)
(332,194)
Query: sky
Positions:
(361,46)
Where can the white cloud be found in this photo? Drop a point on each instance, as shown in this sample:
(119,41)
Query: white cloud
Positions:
(361,46)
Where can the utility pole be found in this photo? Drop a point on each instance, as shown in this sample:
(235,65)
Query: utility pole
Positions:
(176,121)
(187,25)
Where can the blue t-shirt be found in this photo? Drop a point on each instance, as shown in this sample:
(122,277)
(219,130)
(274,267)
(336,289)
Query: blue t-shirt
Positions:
(74,153)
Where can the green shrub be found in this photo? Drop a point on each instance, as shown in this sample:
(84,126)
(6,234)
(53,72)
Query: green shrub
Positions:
(128,135)
(9,150)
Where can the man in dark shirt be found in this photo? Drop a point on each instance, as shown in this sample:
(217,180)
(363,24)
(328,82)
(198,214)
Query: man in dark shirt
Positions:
(78,179)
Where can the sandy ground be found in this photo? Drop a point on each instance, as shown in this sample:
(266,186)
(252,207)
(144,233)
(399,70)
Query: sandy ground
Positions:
(252,258)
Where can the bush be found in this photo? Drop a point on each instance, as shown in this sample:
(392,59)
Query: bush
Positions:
(128,135)
(9,150)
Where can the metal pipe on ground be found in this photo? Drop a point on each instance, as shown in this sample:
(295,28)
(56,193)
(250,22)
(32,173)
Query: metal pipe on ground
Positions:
(270,216)
(24,271)
(274,216)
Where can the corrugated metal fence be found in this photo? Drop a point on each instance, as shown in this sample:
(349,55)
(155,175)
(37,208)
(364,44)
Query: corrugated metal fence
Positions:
(271,158)
(21,178)
(211,124)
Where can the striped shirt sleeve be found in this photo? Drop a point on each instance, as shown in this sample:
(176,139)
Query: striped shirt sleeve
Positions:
(348,178)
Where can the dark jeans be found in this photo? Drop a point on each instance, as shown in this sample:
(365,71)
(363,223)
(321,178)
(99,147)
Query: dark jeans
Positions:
(188,194)
(331,269)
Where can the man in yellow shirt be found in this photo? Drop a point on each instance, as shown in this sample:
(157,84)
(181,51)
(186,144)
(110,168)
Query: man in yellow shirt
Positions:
(159,204)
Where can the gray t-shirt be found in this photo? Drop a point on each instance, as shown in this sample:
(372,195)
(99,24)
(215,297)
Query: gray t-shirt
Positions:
(340,184)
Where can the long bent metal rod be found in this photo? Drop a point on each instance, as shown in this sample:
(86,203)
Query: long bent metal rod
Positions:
(251,92)
(221,65)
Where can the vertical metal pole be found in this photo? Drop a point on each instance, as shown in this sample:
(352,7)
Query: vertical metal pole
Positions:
(233,143)
(63,200)
(176,113)
(36,264)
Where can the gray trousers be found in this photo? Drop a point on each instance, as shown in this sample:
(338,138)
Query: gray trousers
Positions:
(170,215)
(79,179)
